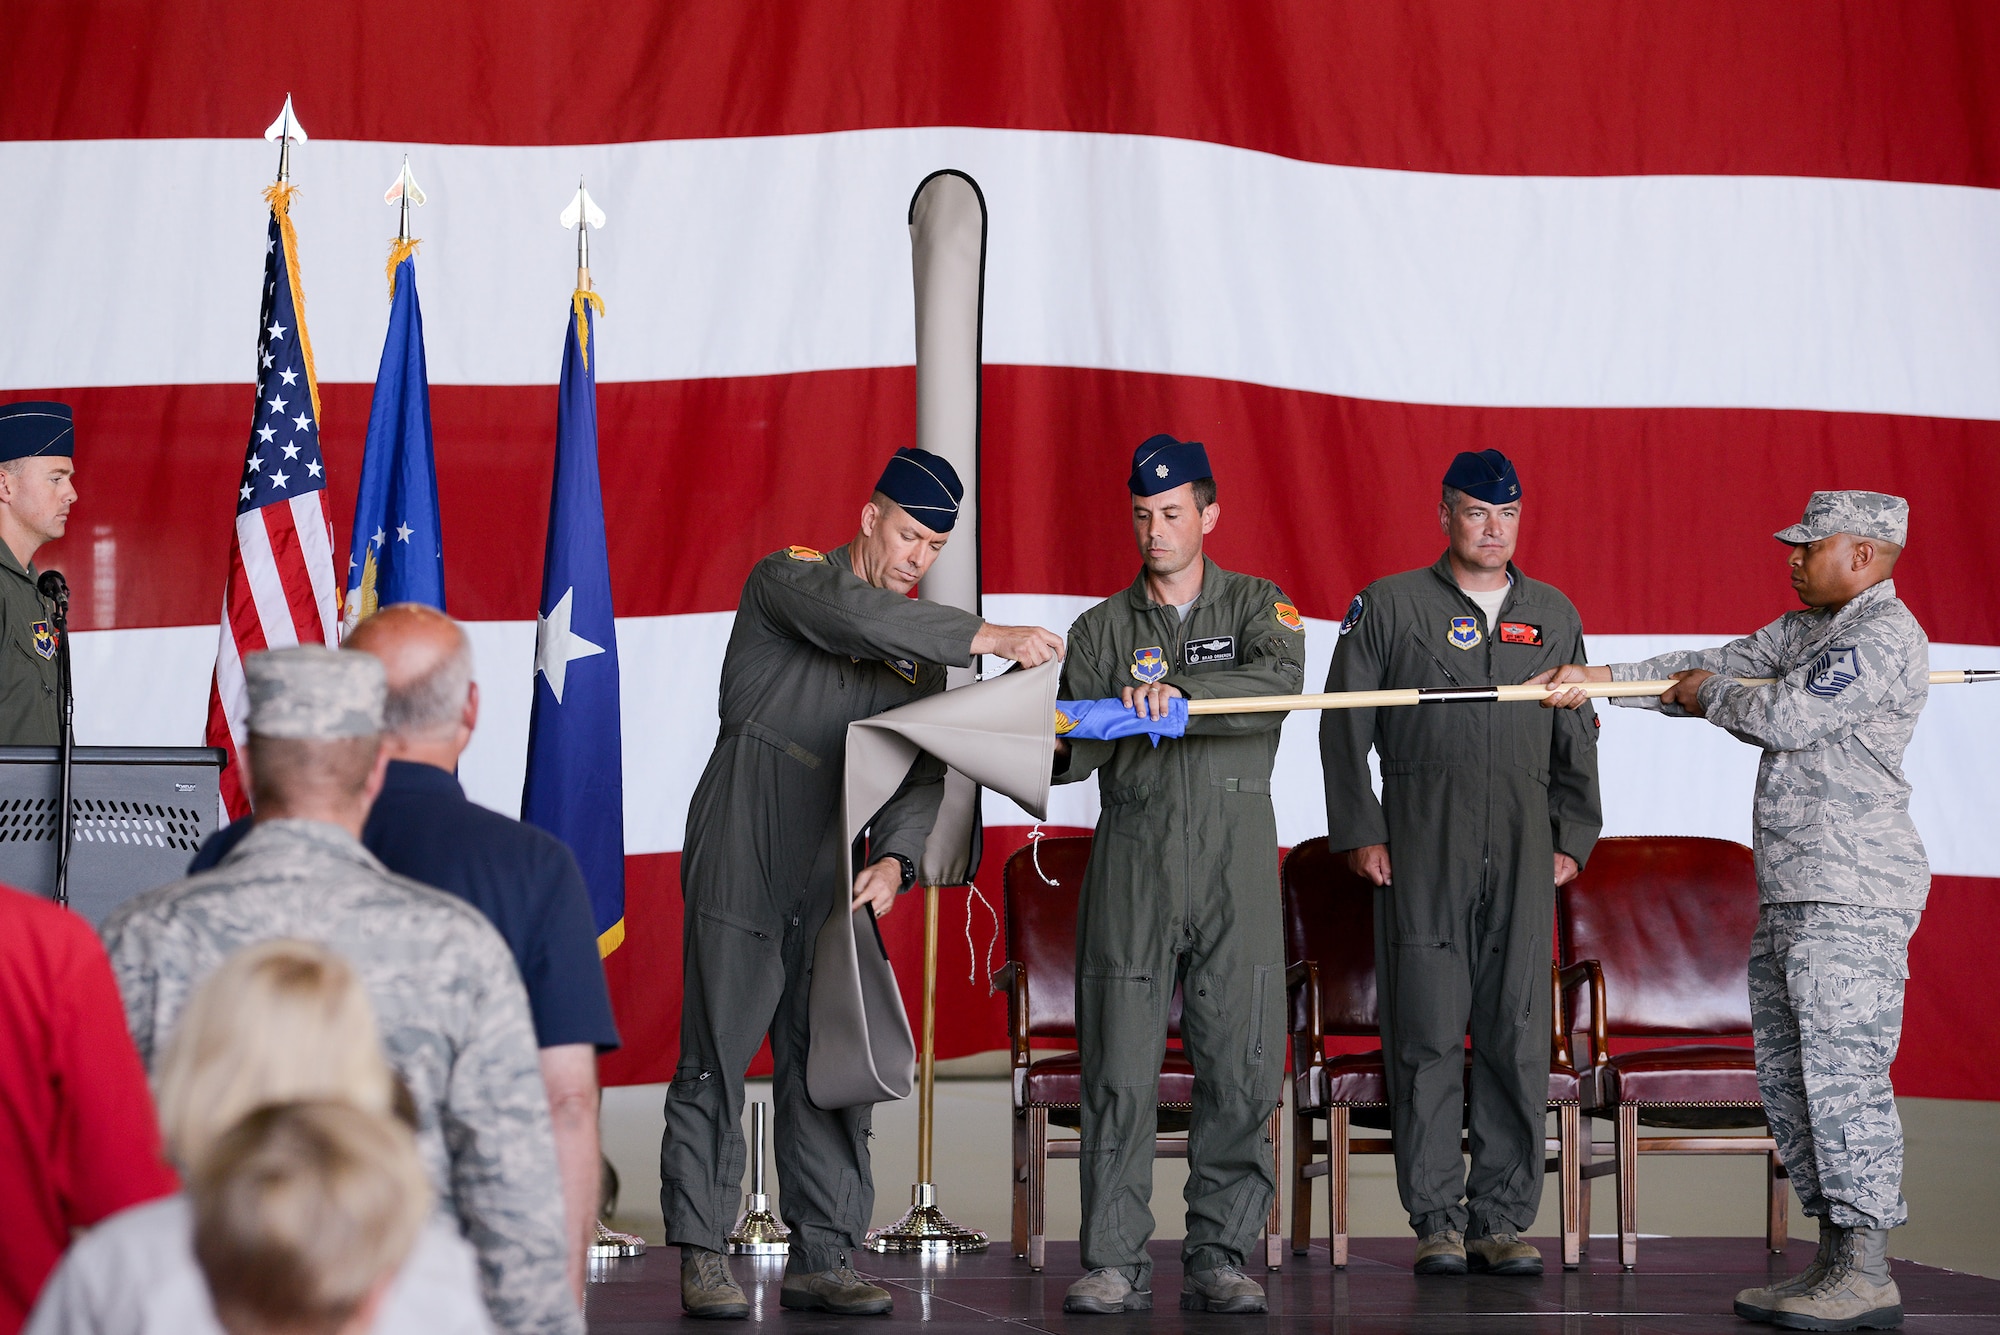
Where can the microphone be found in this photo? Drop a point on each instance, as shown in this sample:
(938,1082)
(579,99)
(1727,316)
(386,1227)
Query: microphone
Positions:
(55,588)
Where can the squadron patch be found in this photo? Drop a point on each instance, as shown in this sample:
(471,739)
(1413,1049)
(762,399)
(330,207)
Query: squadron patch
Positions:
(1215,649)
(804,554)
(1354,611)
(1833,672)
(45,639)
(1520,632)
(1065,723)
(903,668)
(1288,616)
(1150,664)
(1464,633)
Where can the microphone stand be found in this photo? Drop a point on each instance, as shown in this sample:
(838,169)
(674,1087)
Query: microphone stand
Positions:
(55,588)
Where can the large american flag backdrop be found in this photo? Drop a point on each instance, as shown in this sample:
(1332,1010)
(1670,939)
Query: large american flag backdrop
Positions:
(1685,262)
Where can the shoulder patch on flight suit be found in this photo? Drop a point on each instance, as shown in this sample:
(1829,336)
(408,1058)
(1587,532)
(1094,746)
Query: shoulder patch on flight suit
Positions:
(1149,664)
(45,639)
(1288,616)
(1464,633)
(1833,672)
(1354,611)
(903,668)
(804,554)
(1520,632)
(1215,649)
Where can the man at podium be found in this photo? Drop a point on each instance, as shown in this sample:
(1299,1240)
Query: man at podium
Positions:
(36,491)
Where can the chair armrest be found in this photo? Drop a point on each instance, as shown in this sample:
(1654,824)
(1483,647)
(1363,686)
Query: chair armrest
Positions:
(1577,975)
(1014,979)
(1308,1044)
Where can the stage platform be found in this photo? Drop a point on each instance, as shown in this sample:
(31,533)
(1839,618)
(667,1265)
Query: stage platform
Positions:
(1682,1285)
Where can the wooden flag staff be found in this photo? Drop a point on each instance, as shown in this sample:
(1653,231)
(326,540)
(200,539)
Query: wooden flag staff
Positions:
(1434,695)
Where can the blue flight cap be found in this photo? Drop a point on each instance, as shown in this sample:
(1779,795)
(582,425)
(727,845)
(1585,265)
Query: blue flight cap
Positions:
(924,484)
(35,427)
(1486,476)
(1163,463)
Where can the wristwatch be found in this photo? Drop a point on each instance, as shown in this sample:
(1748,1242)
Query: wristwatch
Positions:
(909,872)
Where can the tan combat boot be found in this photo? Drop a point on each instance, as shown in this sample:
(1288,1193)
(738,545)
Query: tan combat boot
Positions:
(707,1287)
(1106,1290)
(1502,1254)
(1441,1253)
(1223,1289)
(1858,1292)
(839,1291)
(1761,1304)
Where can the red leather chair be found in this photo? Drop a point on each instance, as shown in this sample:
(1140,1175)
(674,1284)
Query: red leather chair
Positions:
(1662,927)
(1040,979)
(1330,939)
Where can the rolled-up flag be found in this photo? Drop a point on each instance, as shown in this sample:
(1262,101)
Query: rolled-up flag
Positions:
(1108,720)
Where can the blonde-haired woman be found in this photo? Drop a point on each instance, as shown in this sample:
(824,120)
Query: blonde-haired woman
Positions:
(278,1022)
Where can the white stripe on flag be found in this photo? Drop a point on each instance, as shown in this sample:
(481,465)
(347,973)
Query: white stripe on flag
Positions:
(777,254)
(230,684)
(267,582)
(316,546)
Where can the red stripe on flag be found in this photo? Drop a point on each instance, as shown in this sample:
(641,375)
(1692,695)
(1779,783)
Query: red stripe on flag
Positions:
(293,573)
(243,619)
(1654,521)
(1888,89)
(235,798)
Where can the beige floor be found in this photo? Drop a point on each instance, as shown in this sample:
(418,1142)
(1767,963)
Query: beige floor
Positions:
(1952,1175)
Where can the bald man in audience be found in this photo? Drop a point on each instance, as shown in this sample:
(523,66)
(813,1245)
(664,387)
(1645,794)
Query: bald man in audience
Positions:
(523,879)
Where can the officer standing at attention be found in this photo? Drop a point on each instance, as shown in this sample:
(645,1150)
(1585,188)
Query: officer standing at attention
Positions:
(1485,810)
(819,641)
(37,441)
(1841,880)
(1182,888)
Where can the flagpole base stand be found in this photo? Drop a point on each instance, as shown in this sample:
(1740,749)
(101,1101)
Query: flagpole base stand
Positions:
(758,1232)
(924,1228)
(611,1245)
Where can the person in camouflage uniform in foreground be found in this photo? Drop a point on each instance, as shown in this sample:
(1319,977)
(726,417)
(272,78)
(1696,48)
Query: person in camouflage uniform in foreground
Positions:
(1841,877)
(453,1013)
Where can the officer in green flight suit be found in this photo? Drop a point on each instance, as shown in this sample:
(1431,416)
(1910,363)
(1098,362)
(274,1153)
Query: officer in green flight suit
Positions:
(37,441)
(1182,888)
(1485,809)
(820,639)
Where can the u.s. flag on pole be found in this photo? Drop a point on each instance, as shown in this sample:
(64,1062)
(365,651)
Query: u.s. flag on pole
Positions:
(280,589)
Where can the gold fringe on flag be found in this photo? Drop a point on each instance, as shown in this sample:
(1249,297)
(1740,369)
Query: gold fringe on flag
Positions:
(400,250)
(577,301)
(279,196)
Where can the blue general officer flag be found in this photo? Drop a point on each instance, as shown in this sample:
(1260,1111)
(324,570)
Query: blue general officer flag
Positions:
(576,777)
(397,554)
(1109,720)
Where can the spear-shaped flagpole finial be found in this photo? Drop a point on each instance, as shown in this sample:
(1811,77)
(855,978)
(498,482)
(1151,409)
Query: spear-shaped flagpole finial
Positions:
(404,191)
(287,131)
(582,214)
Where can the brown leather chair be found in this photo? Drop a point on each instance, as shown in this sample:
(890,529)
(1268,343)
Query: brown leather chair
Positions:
(1040,979)
(1660,928)
(1330,939)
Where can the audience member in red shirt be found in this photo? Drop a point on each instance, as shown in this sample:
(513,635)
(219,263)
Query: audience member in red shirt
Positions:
(78,1139)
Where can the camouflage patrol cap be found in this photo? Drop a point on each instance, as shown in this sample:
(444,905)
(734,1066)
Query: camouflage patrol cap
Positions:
(1865,514)
(312,693)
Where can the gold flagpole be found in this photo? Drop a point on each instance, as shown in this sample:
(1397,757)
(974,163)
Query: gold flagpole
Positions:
(1440,695)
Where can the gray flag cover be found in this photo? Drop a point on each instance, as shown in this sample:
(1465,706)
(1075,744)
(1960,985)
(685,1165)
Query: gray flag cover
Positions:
(1000,734)
(948,268)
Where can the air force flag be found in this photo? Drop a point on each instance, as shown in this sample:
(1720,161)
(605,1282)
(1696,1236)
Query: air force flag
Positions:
(575,787)
(397,553)
(1109,720)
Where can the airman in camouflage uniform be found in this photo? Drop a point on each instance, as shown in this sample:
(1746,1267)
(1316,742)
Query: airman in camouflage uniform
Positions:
(453,1013)
(1842,878)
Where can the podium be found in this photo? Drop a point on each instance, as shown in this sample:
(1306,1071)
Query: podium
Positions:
(140,813)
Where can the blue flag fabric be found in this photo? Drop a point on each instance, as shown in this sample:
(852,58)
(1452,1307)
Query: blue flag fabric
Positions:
(397,553)
(575,787)
(1109,720)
